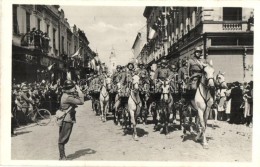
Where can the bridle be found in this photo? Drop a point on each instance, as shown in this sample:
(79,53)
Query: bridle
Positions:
(205,85)
(105,86)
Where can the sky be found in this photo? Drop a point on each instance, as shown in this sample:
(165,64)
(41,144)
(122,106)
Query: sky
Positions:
(107,27)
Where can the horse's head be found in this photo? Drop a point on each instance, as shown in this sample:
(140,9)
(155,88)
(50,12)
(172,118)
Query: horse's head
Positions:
(208,72)
(165,90)
(119,86)
(220,80)
(108,83)
(135,82)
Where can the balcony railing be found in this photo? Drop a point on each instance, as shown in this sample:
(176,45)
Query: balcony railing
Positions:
(232,26)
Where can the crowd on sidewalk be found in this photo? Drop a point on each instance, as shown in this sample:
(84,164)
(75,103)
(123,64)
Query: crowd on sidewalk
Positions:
(25,96)
(235,104)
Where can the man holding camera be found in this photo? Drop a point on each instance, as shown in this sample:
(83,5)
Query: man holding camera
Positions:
(71,97)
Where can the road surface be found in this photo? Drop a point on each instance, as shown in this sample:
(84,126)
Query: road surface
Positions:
(92,139)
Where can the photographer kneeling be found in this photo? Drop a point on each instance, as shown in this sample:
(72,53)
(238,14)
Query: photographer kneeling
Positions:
(71,97)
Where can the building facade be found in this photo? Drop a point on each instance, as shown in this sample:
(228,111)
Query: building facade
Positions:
(42,38)
(225,34)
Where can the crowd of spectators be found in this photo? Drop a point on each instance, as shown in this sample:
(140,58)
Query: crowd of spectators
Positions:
(235,104)
(25,96)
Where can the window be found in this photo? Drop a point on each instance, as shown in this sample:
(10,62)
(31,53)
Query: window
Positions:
(15,22)
(232,14)
(28,22)
(48,27)
(39,23)
(62,44)
(54,39)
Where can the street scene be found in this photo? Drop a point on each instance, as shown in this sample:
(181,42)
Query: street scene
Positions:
(155,83)
(92,139)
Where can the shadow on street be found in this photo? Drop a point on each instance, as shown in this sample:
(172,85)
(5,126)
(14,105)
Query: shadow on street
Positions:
(22,132)
(80,153)
(140,132)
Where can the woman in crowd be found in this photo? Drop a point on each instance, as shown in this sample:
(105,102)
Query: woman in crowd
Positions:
(228,102)
(248,107)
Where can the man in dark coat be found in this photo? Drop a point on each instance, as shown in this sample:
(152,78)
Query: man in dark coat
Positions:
(71,97)
(237,98)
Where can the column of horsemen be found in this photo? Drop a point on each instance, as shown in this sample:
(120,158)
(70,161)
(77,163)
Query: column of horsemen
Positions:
(170,86)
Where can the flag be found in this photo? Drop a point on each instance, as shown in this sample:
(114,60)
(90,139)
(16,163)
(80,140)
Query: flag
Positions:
(151,33)
(77,53)
(50,67)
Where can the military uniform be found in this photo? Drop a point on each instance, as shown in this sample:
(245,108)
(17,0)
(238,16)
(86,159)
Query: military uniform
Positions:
(162,73)
(69,100)
(25,101)
(174,77)
(144,76)
(195,69)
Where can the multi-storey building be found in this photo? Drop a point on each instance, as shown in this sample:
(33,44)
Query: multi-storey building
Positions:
(139,44)
(225,34)
(42,37)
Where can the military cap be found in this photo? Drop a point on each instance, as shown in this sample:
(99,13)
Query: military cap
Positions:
(68,84)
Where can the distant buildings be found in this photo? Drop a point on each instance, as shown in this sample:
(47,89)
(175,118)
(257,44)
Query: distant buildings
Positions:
(225,34)
(42,38)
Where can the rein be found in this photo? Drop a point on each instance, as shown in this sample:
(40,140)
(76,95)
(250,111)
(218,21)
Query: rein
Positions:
(103,86)
(205,98)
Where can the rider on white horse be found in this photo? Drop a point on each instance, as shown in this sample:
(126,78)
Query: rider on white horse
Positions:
(195,68)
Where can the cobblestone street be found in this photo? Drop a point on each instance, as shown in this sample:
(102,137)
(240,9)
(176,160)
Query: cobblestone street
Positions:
(91,139)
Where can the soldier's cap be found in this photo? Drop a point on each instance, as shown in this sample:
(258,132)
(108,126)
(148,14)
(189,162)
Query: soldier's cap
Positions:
(128,65)
(236,83)
(68,84)
(197,49)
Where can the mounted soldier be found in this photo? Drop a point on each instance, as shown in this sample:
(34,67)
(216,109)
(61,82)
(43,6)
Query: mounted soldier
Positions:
(130,73)
(162,73)
(195,69)
(143,74)
(183,76)
(174,77)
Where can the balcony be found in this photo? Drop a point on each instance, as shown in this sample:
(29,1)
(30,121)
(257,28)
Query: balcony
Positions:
(225,26)
(36,41)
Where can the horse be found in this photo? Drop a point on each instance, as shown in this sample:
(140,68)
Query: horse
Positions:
(166,104)
(134,103)
(104,98)
(203,101)
(220,98)
(144,95)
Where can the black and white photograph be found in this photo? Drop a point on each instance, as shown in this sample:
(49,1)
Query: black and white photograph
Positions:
(144,84)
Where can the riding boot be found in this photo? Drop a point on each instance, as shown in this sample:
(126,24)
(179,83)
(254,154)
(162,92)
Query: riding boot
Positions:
(62,152)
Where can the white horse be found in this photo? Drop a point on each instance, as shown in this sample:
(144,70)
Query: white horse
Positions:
(134,103)
(203,101)
(104,98)
(221,89)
